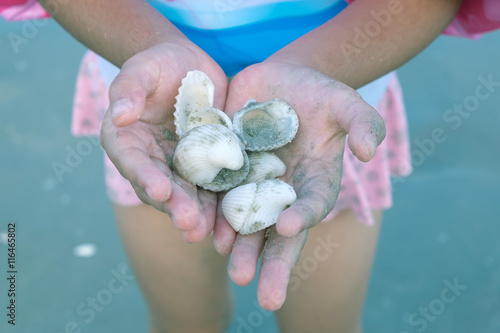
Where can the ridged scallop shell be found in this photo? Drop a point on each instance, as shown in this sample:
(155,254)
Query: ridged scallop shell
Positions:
(227,179)
(264,165)
(196,92)
(207,116)
(253,207)
(204,151)
(266,126)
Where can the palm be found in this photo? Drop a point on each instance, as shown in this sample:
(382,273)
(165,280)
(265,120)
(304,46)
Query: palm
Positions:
(327,111)
(138,133)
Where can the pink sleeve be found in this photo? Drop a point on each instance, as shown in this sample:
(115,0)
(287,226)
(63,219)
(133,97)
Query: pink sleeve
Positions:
(475,18)
(17,10)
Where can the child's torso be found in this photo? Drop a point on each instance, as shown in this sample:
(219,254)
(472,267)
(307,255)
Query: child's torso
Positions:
(238,33)
(223,14)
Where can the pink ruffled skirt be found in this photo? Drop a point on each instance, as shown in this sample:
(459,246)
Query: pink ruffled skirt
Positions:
(364,187)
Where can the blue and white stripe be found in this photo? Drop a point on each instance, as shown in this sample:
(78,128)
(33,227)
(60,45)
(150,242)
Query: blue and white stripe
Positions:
(239,33)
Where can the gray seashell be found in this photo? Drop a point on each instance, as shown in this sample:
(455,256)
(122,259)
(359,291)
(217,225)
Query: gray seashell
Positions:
(253,207)
(204,151)
(266,126)
(264,165)
(196,92)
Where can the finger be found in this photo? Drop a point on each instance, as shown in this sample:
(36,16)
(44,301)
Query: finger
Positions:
(206,219)
(138,165)
(366,132)
(128,91)
(183,207)
(245,256)
(317,185)
(365,126)
(147,200)
(224,234)
(278,260)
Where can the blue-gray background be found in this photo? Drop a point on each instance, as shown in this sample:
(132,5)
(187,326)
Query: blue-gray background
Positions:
(444,224)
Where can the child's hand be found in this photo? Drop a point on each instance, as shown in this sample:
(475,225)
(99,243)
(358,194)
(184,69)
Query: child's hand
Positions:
(327,111)
(138,132)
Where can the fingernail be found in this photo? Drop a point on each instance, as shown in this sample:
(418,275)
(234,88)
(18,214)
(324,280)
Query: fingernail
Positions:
(371,143)
(185,236)
(149,193)
(221,249)
(120,107)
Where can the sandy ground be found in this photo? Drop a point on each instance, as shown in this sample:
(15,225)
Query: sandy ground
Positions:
(443,229)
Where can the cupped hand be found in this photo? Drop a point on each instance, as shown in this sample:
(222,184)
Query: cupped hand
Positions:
(138,132)
(328,110)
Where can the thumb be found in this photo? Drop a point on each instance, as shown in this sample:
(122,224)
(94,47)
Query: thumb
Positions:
(365,128)
(129,90)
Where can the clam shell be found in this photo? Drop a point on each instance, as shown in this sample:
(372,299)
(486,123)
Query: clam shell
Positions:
(206,116)
(237,203)
(253,207)
(264,165)
(266,126)
(226,179)
(196,92)
(204,151)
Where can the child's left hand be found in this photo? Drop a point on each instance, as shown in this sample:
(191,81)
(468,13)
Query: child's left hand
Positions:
(328,110)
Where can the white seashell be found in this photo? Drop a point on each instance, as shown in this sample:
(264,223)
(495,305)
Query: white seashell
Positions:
(250,102)
(253,207)
(206,116)
(196,92)
(204,151)
(237,203)
(264,165)
(266,126)
(227,179)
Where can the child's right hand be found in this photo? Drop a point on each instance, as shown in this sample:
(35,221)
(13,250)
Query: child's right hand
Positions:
(328,110)
(138,131)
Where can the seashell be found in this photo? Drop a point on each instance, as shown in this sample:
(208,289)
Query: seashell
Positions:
(206,116)
(196,92)
(264,165)
(227,179)
(266,126)
(253,207)
(204,151)
(250,102)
